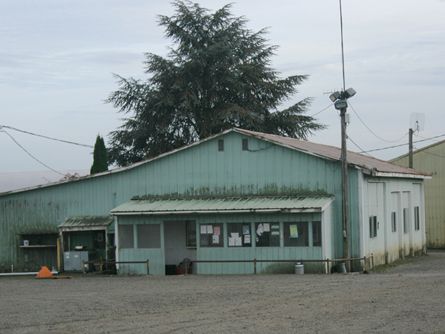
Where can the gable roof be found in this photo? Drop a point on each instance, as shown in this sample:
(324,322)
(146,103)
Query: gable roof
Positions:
(370,165)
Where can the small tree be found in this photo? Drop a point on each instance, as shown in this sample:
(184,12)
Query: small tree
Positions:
(100,163)
(216,76)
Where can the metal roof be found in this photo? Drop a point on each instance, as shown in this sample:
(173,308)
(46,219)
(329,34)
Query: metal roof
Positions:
(375,166)
(222,205)
(84,223)
(324,151)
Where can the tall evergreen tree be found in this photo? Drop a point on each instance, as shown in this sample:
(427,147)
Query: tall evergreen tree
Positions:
(100,161)
(216,76)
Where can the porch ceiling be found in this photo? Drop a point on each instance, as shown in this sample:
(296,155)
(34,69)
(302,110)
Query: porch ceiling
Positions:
(222,205)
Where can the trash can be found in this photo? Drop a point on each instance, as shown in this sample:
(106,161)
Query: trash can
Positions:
(299,268)
(341,267)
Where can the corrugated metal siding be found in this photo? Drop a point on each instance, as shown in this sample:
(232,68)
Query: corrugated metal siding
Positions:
(432,160)
(199,170)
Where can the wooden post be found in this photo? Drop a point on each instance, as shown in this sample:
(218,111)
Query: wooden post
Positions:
(59,260)
(254,266)
(148,267)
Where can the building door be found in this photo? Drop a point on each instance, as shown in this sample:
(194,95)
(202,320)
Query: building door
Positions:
(179,243)
(406,227)
(376,221)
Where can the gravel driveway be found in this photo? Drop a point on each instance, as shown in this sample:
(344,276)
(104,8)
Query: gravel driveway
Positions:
(408,298)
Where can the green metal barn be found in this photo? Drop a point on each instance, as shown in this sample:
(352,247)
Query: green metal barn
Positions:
(239,195)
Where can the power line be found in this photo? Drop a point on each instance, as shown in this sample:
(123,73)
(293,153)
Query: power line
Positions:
(325,108)
(30,154)
(400,145)
(357,145)
(370,130)
(46,137)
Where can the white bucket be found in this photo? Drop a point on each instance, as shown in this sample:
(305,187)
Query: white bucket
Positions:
(299,269)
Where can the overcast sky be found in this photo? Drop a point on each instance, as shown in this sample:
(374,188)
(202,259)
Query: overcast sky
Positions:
(57,59)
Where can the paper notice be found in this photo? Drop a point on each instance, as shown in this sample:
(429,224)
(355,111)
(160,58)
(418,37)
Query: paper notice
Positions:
(266,227)
(215,239)
(238,241)
(246,229)
(247,239)
(293,231)
(209,229)
(216,230)
(231,242)
(203,229)
(259,230)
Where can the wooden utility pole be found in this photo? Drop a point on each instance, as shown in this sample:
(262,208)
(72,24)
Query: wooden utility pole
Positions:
(411,131)
(344,187)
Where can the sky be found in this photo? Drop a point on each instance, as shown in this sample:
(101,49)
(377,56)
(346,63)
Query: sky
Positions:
(57,60)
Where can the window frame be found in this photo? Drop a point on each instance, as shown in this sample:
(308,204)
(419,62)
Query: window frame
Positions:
(190,232)
(320,233)
(405,221)
(393,221)
(302,230)
(210,236)
(276,238)
(241,232)
(152,242)
(131,235)
(373,227)
(416,218)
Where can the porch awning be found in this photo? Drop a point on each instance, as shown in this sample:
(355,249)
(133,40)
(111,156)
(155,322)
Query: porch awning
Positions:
(86,223)
(222,205)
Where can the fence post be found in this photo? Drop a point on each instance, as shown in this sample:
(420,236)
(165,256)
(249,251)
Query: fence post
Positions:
(254,266)
(326,267)
(364,264)
(148,267)
(372,260)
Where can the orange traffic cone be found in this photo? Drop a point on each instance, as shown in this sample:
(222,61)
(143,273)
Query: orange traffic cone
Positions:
(44,272)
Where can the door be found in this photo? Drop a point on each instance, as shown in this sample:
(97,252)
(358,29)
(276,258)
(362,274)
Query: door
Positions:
(179,243)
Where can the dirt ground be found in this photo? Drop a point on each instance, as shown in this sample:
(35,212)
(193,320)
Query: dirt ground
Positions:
(408,298)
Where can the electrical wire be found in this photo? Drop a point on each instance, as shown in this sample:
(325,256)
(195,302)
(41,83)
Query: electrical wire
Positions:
(46,137)
(30,154)
(325,108)
(370,130)
(405,144)
(357,145)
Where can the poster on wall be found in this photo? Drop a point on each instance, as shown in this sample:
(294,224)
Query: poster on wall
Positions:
(293,231)
(215,239)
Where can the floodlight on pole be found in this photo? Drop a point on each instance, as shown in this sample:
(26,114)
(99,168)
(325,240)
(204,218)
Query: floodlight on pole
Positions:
(340,102)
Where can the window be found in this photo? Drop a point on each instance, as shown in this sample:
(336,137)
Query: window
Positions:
(267,234)
(126,237)
(393,222)
(239,235)
(221,145)
(416,218)
(245,144)
(211,235)
(405,220)
(190,234)
(316,234)
(38,240)
(295,234)
(373,226)
(149,235)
